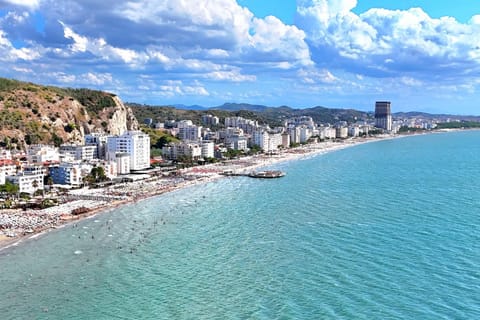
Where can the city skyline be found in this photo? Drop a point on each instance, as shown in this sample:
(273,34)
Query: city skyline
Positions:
(305,53)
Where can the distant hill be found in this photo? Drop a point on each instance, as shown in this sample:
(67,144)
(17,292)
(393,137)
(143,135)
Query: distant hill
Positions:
(274,116)
(33,114)
(192,107)
(232,107)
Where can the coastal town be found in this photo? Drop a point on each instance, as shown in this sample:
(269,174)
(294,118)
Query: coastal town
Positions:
(44,186)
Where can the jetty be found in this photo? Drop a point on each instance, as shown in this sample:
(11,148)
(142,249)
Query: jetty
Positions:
(266,174)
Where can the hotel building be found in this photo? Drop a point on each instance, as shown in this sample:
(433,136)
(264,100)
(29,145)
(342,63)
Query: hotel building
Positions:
(383,115)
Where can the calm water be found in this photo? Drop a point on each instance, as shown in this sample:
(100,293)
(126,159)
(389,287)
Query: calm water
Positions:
(386,230)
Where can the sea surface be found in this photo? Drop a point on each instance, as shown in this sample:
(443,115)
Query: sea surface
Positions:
(383,230)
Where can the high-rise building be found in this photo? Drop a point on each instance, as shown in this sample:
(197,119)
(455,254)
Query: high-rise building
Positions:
(383,115)
(136,144)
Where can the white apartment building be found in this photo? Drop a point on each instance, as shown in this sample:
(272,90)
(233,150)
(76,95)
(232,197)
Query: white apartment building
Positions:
(268,142)
(208,149)
(8,167)
(187,149)
(122,162)
(134,143)
(42,153)
(28,183)
(82,153)
(208,119)
(2,177)
(99,140)
(248,126)
(300,121)
(190,133)
(305,134)
(353,131)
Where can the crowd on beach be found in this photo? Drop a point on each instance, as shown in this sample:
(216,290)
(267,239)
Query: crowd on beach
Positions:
(15,223)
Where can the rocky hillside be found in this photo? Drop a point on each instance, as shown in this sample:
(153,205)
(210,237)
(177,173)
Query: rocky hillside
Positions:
(32,114)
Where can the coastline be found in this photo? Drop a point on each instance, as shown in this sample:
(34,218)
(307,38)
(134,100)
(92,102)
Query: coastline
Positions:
(105,199)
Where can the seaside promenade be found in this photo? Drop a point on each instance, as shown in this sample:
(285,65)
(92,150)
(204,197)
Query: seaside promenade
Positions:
(16,224)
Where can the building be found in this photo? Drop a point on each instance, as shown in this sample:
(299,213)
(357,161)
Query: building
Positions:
(285,140)
(136,144)
(383,115)
(122,162)
(27,183)
(99,140)
(67,174)
(208,149)
(188,150)
(81,153)
(190,132)
(341,132)
(248,126)
(210,120)
(42,153)
(8,167)
(267,141)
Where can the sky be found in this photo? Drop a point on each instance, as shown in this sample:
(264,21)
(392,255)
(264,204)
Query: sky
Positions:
(420,55)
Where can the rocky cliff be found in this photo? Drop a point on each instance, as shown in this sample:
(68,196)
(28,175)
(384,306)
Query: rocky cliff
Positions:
(32,114)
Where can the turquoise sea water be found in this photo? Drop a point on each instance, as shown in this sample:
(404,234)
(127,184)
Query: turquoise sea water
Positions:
(385,230)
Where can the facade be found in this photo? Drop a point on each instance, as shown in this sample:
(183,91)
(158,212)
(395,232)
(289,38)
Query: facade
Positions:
(248,126)
(190,133)
(300,121)
(209,120)
(285,140)
(305,134)
(353,131)
(134,143)
(42,153)
(208,149)
(383,115)
(122,162)
(8,167)
(189,150)
(267,141)
(81,153)
(66,173)
(27,183)
(341,132)
(99,140)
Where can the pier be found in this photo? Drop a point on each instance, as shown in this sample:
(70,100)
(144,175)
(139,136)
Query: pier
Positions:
(266,174)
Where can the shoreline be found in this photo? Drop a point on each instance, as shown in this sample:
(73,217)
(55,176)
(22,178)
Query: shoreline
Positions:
(110,198)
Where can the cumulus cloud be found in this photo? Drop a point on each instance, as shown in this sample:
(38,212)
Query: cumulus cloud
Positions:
(385,43)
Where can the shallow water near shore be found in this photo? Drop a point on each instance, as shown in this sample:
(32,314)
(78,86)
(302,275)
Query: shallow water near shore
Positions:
(382,230)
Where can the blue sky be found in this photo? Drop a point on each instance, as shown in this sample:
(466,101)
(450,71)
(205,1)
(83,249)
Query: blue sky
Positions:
(420,55)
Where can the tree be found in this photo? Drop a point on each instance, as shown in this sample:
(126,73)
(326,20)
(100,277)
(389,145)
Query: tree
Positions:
(97,174)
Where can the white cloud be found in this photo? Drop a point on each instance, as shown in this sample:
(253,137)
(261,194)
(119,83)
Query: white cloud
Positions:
(384,42)
(31,4)
(232,75)
(174,88)
(9,53)
(313,76)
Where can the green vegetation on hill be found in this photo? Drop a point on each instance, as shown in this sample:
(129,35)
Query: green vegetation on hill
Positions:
(8,84)
(94,101)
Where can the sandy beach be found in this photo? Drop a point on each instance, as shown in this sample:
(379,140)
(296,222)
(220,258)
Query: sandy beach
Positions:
(18,224)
